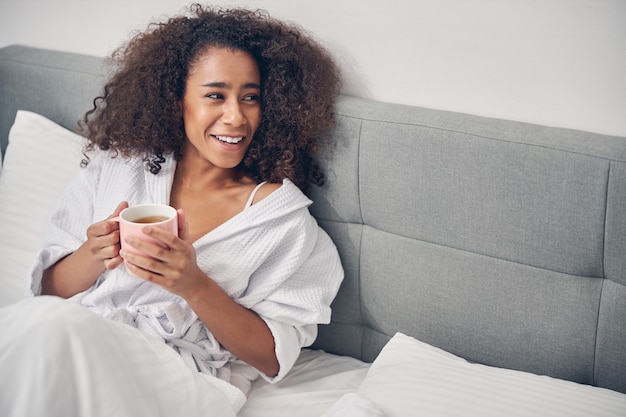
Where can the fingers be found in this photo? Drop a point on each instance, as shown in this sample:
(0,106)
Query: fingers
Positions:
(170,258)
(168,239)
(179,274)
(183,227)
(113,263)
(151,269)
(104,235)
(107,226)
(106,248)
(162,249)
(121,206)
(103,239)
(148,268)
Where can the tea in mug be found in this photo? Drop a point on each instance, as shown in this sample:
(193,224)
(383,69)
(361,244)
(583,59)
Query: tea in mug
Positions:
(150,219)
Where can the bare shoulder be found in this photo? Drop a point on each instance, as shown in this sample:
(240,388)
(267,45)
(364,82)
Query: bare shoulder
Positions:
(265,190)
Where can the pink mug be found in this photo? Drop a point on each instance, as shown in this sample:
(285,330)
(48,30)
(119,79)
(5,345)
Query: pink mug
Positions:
(133,219)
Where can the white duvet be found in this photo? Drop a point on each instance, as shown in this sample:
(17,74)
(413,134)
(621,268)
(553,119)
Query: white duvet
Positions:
(106,368)
(99,368)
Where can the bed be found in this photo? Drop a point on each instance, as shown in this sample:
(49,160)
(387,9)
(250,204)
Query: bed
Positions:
(485,259)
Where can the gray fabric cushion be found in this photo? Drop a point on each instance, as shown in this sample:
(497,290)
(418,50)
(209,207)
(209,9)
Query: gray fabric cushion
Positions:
(615,246)
(488,310)
(60,86)
(610,355)
(518,202)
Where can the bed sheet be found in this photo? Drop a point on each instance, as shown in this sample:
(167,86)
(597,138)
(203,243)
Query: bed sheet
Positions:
(317,381)
(63,360)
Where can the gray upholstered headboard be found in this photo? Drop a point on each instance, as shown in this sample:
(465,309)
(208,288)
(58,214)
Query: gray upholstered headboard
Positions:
(60,86)
(501,242)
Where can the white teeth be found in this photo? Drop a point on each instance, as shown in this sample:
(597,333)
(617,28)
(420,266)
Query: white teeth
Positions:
(229,139)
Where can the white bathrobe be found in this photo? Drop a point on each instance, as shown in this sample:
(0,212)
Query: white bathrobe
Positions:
(272,258)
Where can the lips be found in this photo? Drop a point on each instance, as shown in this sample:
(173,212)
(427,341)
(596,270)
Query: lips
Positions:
(229,139)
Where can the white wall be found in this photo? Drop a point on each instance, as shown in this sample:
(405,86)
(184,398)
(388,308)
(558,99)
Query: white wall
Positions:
(553,62)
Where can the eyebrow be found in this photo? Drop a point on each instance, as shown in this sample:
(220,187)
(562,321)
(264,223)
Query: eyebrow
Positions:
(218,84)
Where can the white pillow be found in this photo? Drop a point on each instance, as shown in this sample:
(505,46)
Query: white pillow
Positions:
(411,378)
(40,159)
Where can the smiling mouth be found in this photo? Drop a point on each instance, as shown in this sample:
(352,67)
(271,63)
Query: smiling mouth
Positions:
(229,139)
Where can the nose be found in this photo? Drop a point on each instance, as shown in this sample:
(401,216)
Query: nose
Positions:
(233,114)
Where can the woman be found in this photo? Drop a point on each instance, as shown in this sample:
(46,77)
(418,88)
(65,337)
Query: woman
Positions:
(216,113)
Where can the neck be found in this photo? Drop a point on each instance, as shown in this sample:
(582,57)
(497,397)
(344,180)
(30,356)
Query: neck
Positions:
(193,175)
(194,172)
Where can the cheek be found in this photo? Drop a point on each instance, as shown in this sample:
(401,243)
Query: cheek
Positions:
(254,118)
(192,116)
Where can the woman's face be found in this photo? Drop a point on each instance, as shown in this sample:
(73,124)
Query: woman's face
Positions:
(221,106)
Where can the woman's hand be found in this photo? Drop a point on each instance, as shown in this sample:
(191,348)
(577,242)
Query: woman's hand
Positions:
(173,267)
(103,239)
(79,270)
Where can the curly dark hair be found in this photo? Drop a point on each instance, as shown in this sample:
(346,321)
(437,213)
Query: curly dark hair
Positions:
(138,113)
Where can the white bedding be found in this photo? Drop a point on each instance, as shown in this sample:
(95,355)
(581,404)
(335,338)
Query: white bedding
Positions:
(39,161)
(100,368)
(94,368)
(413,378)
(316,381)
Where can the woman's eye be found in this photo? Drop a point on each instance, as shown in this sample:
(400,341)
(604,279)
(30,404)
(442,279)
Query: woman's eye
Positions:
(214,96)
(251,97)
